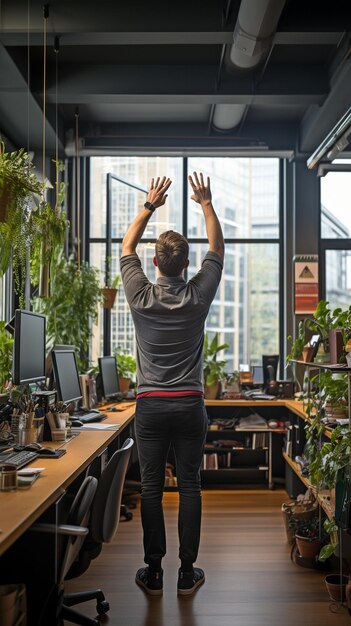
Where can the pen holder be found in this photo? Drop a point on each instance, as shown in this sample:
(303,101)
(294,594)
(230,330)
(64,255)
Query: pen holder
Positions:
(58,423)
(24,428)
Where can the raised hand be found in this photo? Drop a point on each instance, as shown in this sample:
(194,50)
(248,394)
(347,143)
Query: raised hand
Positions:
(157,193)
(202,193)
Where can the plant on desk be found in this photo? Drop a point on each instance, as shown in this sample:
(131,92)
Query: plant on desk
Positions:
(214,368)
(126,368)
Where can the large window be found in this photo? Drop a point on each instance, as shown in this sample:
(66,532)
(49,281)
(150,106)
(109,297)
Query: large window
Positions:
(335,244)
(245,192)
(336,205)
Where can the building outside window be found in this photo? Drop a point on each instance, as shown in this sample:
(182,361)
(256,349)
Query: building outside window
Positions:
(336,236)
(245,192)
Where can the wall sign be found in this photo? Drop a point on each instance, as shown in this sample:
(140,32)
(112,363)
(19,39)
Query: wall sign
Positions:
(306,283)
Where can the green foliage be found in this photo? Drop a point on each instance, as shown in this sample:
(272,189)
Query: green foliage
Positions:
(112,283)
(307,528)
(329,458)
(214,369)
(322,322)
(126,364)
(49,233)
(6,345)
(333,388)
(326,552)
(19,185)
(72,307)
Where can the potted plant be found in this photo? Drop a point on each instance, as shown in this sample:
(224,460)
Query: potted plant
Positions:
(49,236)
(307,537)
(126,368)
(327,324)
(214,368)
(18,191)
(72,306)
(6,345)
(333,394)
(109,291)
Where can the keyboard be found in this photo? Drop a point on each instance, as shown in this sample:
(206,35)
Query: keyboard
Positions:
(87,418)
(19,459)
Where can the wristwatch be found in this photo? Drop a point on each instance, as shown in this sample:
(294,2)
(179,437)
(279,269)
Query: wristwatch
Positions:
(150,206)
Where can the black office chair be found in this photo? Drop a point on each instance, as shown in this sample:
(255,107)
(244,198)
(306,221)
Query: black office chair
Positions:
(92,520)
(71,536)
(103,524)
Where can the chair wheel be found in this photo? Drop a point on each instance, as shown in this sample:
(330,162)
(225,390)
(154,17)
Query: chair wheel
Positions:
(103,607)
(129,516)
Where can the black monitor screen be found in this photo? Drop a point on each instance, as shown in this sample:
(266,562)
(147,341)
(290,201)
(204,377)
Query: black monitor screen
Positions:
(29,348)
(109,377)
(66,375)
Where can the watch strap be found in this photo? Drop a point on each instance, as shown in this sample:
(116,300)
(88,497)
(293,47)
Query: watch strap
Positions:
(149,206)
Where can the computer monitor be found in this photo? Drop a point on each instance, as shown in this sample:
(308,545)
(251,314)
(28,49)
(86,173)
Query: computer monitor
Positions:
(270,368)
(29,348)
(66,375)
(49,374)
(109,376)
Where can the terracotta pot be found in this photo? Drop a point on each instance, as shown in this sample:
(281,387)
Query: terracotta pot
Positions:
(212,391)
(109,297)
(307,354)
(308,548)
(124,384)
(335,590)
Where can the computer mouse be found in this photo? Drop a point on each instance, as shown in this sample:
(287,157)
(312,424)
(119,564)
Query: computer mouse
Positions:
(76,423)
(49,451)
(113,408)
(33,447)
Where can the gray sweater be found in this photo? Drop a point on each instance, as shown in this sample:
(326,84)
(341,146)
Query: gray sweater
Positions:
(169,318)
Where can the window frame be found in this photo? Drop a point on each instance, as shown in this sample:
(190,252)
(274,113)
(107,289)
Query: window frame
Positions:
(279,241)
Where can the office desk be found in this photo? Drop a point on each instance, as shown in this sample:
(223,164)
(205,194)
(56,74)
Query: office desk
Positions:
(20,509)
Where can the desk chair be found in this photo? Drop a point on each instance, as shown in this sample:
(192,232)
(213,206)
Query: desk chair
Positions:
(103,524)
(71,537)
(92,520)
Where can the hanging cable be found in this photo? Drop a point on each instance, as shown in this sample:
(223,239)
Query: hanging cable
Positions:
(28,69)
(77,187)
(56,50)
(46,15)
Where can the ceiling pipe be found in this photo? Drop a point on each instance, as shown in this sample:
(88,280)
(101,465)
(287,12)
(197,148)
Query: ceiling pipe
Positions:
(252,39)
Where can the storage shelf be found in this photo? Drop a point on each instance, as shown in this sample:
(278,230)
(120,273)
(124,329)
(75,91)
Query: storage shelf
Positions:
(325,501)
(335,367)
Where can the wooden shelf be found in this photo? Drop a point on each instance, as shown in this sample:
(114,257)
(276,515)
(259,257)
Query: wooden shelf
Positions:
(326,502)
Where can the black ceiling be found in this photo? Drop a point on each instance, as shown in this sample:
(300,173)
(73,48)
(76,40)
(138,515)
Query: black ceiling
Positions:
(154,75)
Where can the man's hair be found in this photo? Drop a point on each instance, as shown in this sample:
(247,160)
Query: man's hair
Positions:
(172,251)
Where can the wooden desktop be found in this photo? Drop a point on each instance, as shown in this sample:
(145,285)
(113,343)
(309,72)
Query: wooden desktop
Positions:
(20,509)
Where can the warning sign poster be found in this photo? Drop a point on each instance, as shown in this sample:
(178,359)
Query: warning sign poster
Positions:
(306,284)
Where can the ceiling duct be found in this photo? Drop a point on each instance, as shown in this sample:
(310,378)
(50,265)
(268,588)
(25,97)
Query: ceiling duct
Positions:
(253,36)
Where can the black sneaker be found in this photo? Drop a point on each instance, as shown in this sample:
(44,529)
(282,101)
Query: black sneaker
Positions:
(151,582)
(189,581)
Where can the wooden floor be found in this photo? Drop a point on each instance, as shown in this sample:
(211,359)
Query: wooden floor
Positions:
(250,579)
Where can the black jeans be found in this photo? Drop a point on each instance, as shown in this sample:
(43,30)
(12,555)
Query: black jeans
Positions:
(160,423)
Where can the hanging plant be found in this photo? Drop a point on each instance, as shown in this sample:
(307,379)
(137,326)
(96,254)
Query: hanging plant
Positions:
(18,193)
(50,230)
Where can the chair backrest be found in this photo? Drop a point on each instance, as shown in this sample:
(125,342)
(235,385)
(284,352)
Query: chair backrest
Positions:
(78,515)
(105,512)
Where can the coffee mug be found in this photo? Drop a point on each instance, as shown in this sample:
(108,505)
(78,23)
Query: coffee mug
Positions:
(8,477)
